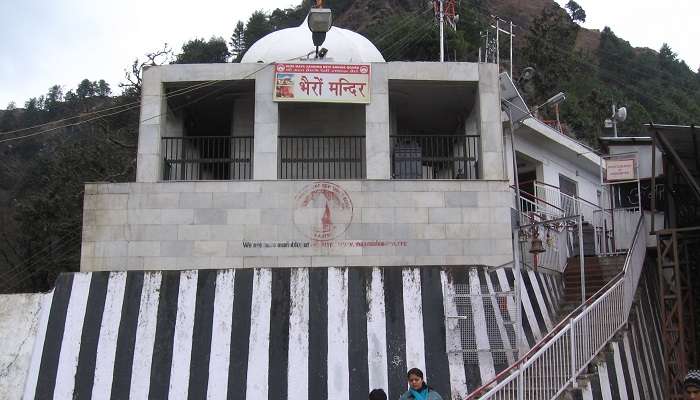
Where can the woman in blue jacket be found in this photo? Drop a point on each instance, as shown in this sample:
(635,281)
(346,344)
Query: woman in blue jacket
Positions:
(417,388)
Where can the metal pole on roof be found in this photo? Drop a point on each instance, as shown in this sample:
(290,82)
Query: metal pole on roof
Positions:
(511,49)
(498,50)
(442,31)
(516,181)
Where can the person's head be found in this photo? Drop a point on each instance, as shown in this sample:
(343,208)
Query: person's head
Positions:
(377,394)
(415,378)
(691,385)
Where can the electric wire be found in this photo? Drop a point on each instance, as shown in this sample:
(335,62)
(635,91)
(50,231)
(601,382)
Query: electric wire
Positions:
(190,89)
(173,93)
(67,249)
(177,92)
(397,47)
(35,256)
(55,254)
(73,240)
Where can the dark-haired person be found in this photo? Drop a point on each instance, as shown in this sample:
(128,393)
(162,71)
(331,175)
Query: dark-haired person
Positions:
(417,388)
(377,394)
(691,385)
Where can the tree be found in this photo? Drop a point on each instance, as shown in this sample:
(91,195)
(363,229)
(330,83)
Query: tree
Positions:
(577,13)
(238,42)
(131,88)
(550,37)
(288,17)
(11,106)
(53,99)
(258,26)
(199,51)
(85,89)
(103,89)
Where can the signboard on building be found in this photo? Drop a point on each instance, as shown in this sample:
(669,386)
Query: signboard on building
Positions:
(617,170)
(326,83)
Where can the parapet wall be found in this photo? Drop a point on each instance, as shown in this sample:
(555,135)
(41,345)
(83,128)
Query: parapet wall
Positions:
(262,224)
(20,324)
(282,333)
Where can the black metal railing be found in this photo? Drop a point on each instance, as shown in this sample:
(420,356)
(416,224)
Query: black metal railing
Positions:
(207,158)
(435,156)
(321,157)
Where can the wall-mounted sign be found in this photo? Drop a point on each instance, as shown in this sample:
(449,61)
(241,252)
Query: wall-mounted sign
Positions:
(328,83)
(620,170)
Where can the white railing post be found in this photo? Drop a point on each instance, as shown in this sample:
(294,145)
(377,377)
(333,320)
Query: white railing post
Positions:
(581,259)
(598,322)
(521,385)
(573,351)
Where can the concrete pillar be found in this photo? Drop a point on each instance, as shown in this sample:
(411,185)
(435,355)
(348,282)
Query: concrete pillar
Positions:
(378,147)
(489,103)
(266,128)
(151,125)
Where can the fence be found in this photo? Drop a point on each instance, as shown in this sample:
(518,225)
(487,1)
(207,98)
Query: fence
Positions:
(570,205)
(322,157)
(207,158)
(614,229)
(477,303)
(435,156)
(559,358)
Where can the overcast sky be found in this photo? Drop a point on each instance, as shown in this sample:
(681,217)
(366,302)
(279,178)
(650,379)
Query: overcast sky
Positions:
(47,42)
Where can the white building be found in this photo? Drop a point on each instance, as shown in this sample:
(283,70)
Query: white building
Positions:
(410,163)
(312,228)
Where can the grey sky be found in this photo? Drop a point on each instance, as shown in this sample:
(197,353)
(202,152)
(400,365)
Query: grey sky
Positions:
(47,42)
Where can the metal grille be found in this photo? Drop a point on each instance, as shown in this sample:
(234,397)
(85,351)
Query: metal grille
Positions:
(207,158)
(322,157)
(490,309)
(434,156)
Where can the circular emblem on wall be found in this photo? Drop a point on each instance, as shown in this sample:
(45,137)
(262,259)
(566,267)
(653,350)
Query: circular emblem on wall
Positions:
(323,211)
(364,69)
(280,68)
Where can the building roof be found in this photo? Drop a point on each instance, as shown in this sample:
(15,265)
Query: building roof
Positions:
(579,149)
(293,43)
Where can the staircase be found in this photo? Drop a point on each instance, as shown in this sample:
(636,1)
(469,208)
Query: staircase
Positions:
(598,271)
(565,354)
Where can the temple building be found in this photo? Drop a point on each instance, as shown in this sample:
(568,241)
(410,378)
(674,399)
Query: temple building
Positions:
(312,222)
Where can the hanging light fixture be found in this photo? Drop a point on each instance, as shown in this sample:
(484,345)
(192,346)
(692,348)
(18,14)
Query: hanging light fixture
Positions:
(320,21)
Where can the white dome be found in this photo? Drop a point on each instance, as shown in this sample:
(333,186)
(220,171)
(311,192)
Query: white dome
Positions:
(293,43)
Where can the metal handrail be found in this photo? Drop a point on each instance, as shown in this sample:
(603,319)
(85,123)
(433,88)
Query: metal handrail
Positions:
(568,324)
(526,194)
(575,197)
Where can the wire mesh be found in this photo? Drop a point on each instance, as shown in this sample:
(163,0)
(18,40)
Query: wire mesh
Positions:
(485,313)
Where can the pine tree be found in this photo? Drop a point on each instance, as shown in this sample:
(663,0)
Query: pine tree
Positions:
(238,42)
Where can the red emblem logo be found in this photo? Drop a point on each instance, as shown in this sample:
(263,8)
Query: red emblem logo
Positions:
(323,211)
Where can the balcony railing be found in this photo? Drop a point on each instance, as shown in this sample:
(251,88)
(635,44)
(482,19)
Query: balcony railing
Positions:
(322,157)
(435,156)
(207,158)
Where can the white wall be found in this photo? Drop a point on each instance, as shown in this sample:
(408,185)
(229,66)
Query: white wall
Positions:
(644,156)
(557,159)
(266,119)
(243,117)
(179,225)
(19,321)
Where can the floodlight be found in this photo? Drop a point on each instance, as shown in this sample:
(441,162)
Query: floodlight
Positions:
(556,99)
(320,21)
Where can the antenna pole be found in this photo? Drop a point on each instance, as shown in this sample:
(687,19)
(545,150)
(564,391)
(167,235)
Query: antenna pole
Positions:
(498,50)
(442,31)
(614,120)
(511,49)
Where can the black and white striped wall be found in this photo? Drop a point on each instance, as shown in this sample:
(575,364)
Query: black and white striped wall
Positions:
(632,367)
(320,333)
